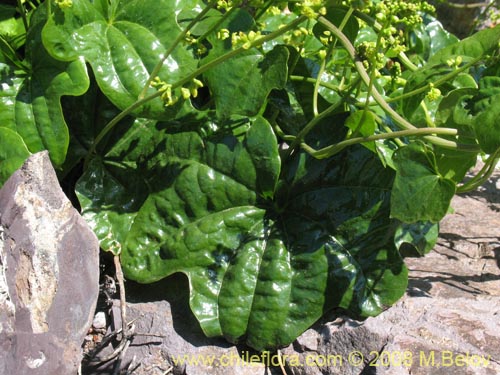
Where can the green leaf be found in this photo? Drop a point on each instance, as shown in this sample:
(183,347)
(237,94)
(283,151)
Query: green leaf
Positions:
(486,113)
(419,192)
(416,238)
(362,123)
(9,25)
(242,84)
(30,104)
(13,153)
(264,259)
(487,127)
(419,79)
(476,46)
(439,38)
(123,43)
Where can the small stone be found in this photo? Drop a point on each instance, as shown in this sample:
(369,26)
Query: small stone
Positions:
(99,321)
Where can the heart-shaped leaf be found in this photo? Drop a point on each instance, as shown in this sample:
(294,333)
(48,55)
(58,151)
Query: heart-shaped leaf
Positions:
(265,259)
(30,102)
(123,41)
(419,192)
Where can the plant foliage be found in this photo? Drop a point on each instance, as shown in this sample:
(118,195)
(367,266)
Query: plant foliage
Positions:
(283,156)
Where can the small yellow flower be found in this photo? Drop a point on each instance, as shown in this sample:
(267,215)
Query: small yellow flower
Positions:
(223,34)
(64,4)
(434,93)
(186,93)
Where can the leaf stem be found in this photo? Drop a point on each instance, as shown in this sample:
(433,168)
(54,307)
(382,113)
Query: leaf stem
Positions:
(22,11)
(323,63)
(313,81)
(218,23)
(115,120)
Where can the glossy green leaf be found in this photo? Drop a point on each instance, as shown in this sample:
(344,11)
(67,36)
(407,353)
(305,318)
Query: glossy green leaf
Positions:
(475,46)
(10,26)
(419,79)
(484,107)
(416,239)
(122,42)
(419,192)
(13,153)
(452,113)
(30,102)
(439,38)
(242,84)
(438,65)
(362,123)
(487,127)
(264,260)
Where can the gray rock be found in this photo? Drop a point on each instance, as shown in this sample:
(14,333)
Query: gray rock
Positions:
(168,336)
(49,275)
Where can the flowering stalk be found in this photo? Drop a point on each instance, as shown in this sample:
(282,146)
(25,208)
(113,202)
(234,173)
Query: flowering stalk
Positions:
(398,119)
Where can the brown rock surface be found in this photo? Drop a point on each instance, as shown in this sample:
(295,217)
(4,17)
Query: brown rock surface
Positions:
(49,274)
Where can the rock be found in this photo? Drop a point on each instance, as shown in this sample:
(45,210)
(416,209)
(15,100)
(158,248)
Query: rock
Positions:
(99,321)
(170,337)
(49,274)
(448,321)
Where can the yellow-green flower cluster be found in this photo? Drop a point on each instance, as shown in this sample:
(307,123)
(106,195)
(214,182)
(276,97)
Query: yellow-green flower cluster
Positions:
(64,4)
(297,37)
(454,62)
(199,47)
(227,4)
(244,40)
(395,17)
(433,94)
(167,95)
(358,4)
(223,34)
(407,13)
(312,8)
(274,10)
(370,55)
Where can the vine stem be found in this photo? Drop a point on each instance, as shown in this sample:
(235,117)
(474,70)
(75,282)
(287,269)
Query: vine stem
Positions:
(111,124)
(398,119)
(313,81)
(482,176)
(333,149)
(322,67)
